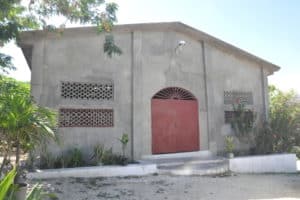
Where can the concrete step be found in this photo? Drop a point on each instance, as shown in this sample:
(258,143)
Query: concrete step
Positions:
(191,163)
(194,154)
(211,167)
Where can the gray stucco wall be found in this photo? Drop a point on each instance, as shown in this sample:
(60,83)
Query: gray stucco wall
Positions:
(158,66)
(226,72)
(148,64)
(80,58)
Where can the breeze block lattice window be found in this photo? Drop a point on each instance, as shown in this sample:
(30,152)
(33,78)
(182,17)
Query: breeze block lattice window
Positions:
(229,115)
(234,97)
(86,117)
(88,91)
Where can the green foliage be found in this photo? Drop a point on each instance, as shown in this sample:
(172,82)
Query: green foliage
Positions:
(23,124)
(47,160)
(14,18)
(37,193)
(284,119)
(282,131)
(6,184)
(110,47)
(8,189)
(124,141)
(243,123)
(75,158)
(264,140)
(109,158)
(296,150)
(68,159)
(37,14)
(98,152)
(229,144)
(6,63)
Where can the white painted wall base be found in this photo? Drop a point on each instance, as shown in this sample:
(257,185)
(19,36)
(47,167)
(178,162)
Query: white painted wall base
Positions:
(100,171)
(276,163)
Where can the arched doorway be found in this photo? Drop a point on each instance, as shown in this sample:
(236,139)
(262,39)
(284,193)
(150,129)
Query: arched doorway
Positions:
(174,115)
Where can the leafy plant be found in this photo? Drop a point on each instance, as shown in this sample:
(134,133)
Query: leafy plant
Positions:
(8,189)
(229,144)
(6,184)
(75,158)
(243,123)
(98,152)
(281,133)
(17,15)
(47,160)
(37,193)
(264,139)
(284,119)
(109,158)
(296,150)
(70,158)
(23,124)
(124,141)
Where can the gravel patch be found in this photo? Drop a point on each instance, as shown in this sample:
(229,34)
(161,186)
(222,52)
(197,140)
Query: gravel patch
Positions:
(231,187)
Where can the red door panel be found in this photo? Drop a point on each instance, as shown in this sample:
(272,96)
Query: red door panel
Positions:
(174,126)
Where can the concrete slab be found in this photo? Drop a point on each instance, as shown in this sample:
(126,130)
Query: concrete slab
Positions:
(99,171)
(202,154)
(190,163)
(276,163)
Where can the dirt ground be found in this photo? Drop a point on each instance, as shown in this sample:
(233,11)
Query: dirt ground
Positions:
(160,187)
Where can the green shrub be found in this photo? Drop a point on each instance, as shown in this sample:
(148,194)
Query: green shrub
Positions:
(264,140)
(109,158)
(75,158)
(6,185)
(296,150)
(8,189)
(47,160)
(282,131)
(229,144)
(124,141)
(243,123)
(71,158)
(97,154)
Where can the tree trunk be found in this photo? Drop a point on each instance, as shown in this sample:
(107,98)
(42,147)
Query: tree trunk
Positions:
(17,177)
(3,163)
(17,154)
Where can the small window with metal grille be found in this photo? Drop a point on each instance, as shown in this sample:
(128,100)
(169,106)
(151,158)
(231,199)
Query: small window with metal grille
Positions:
(86,117)
(87,91)
(230,115)
(236,97)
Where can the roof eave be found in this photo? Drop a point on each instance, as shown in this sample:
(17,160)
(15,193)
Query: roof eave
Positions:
(31,36)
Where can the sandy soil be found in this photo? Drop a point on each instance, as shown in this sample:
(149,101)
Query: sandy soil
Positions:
(266,186)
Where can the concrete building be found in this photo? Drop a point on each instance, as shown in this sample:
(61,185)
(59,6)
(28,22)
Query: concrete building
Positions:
(171,90)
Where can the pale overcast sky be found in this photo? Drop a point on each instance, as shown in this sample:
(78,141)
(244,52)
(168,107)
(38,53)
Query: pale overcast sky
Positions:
(268,29)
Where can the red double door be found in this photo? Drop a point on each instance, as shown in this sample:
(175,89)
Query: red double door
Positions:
(174,126)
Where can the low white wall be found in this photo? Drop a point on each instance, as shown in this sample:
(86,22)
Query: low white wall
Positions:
(100,171)
(276,163)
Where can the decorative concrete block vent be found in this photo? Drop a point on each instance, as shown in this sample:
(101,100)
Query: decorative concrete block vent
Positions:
(87,91)
(232,97)
(86,117)
(277,163)
(229,115)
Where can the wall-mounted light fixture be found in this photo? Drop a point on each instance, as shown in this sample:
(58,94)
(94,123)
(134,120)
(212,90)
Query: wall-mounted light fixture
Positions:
(180,45)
